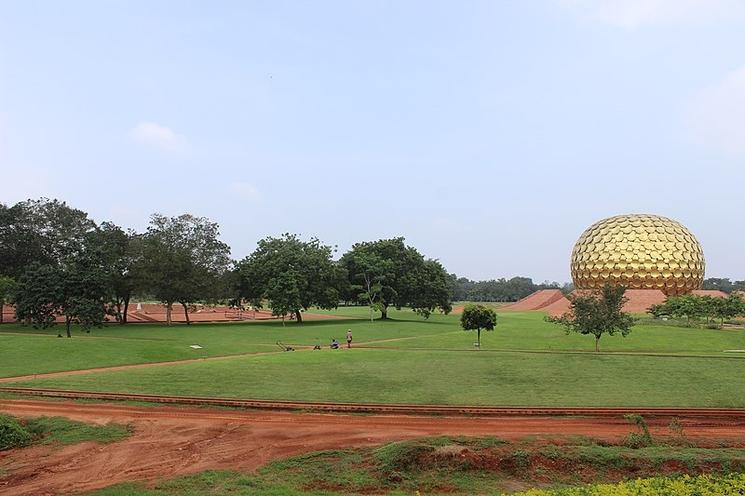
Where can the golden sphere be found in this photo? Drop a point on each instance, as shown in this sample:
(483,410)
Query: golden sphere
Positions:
(639,251)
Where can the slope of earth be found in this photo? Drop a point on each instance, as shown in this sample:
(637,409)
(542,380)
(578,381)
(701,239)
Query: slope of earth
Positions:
(168,442)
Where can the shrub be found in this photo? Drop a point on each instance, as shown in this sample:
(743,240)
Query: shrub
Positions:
(13,434)
(658,486)
(639,439)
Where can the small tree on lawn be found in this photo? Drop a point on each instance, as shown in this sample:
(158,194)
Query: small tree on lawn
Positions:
(477,317)
(597,314)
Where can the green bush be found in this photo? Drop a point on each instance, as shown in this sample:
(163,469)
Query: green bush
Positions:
(702,485)
(13,434)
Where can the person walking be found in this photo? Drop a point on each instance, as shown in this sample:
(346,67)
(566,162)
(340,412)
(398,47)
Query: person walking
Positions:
(349,338)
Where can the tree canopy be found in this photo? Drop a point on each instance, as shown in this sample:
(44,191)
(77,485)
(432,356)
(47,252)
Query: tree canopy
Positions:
(387,273)
(43,231)
(693,307)
(183,261)
(291,274)
(477,317)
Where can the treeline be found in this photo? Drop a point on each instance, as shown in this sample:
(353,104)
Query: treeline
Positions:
(500,289)
(56,261)
(694,308)
(723,284)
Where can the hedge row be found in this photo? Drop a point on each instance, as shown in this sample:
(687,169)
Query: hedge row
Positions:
(703,485)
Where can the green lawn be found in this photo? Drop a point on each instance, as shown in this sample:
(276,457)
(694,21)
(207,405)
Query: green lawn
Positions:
(440,377)
(424,361)
(24,350)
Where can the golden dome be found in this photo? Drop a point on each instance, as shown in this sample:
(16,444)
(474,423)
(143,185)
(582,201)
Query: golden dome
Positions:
(639,251)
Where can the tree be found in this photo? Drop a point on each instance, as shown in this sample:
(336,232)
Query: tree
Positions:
(7,293)
(304,269)
(597,313)
(478,317)
(728,308)
(369,272)
(121,256)
(183,261)
(388,273)
(44,231)
(284,295)
(76,291)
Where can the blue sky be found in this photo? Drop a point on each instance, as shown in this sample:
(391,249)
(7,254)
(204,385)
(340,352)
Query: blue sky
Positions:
(489,133)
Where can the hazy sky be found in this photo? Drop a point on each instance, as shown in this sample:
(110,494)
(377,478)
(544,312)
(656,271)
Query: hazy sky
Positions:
(489,134)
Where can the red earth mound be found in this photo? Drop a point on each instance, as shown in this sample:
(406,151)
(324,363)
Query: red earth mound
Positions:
(535,301)
(639,301)
(714,293)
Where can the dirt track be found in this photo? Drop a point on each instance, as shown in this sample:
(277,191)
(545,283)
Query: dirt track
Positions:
(171,441)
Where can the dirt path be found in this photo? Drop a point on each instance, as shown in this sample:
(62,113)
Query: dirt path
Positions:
(171,441)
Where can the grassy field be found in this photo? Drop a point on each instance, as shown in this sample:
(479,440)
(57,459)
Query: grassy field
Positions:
(526,361)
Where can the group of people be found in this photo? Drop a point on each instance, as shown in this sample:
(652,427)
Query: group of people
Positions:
(335,344)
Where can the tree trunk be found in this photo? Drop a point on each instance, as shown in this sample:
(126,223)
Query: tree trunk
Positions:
(2,307)
(67,325)
(118,305)
(478,336)
(126,309)
(384,312)
(299,317)
(186,313)
(597,343)
(169,307)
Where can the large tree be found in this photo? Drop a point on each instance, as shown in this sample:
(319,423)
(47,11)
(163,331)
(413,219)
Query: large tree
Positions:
(48,232)
(121,255)
(184,261)
(597,313)
(387,273)
(292,274)
(76,291)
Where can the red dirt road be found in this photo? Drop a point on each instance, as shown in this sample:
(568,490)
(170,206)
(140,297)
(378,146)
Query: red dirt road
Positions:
(169,441)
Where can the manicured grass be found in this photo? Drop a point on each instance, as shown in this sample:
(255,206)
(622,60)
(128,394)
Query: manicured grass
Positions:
(529,331)
(457,466)
(24,350)
(405,360)
(438,377)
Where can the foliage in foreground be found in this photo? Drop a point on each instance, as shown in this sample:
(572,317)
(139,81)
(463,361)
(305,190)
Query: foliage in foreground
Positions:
(709,485)
(460,466)
(13,434)
(17,433)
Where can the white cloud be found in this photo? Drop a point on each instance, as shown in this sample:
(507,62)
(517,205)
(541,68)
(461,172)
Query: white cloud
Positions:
(632,14)
(244,190)
(159,137)
(716,115)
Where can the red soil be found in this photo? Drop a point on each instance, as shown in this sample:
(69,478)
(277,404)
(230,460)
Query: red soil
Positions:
(170,441)
(536,301)
(715,293)
(557,308)
(639,301)
(150,312)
